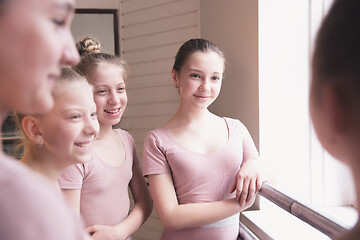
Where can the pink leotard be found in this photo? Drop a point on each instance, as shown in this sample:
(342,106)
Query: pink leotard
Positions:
(31,208)
(104,189)
(200,177)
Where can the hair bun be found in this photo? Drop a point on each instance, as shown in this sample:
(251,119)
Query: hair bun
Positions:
(88,45)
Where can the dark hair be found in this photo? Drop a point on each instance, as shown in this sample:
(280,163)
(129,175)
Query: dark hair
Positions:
(191,46)
(336,56)
(3,4)
(89,50)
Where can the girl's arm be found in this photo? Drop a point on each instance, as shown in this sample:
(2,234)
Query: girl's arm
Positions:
(175,216)
(73,198)
(252,173)
(138,215)
(249,180)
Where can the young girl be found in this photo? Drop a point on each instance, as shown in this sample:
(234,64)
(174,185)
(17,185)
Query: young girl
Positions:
(196,160)
(35,42)
(335,88)
(98,190)
(64,136)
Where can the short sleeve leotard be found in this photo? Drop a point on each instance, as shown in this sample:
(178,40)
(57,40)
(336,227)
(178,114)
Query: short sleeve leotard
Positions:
(200,177)
(31,208)
(104,195)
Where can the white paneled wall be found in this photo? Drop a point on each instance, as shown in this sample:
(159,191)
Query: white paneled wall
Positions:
(150,33)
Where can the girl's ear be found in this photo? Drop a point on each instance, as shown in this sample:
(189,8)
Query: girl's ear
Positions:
(175,78)
(31,128)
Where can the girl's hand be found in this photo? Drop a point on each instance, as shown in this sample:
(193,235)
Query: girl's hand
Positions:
(101,232)
(248,182)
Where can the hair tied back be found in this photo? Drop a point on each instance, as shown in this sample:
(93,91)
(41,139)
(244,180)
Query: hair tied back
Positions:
(88,45)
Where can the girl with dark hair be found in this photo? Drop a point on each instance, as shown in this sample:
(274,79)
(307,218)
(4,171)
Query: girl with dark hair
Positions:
(203,169)
(335,88)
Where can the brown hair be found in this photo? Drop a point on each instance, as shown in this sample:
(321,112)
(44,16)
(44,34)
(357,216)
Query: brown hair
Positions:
(191,46)
(3,4)
(91,57)
(336,58)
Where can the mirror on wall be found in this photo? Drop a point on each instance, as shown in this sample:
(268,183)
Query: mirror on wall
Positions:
(102,24)
(11,138)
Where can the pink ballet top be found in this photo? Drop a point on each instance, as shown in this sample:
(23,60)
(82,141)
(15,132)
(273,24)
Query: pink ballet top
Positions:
(31,208)
(104,189)
(200,177)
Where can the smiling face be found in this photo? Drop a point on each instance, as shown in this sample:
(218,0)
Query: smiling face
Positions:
(109,93)
(199,80)
(70,128)
(35,42)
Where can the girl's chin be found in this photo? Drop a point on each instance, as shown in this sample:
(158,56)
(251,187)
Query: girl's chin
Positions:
(83,159)
(110,120)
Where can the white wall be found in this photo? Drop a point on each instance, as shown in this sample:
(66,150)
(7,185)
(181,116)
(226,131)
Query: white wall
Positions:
(151,33)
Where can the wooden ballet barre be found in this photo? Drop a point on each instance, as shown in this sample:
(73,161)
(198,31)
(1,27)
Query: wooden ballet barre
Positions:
(299,210)
(245,233)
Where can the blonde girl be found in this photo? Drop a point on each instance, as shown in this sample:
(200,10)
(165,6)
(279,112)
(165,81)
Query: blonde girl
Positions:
(98,190)
(65,135)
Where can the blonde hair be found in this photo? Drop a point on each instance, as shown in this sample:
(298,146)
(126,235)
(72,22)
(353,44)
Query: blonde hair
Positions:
(68,75)
(91,57)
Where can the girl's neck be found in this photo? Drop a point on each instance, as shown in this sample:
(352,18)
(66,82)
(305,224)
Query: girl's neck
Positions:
(44,166)
(193,116)
(105,131)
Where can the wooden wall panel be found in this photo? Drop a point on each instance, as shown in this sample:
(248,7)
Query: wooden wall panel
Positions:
(158,12)
(180,21)
(136,5)
(151,67)
(145,81)
(158,39)
(150,34)
(167,51)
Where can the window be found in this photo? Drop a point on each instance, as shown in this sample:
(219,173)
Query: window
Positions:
(288,144)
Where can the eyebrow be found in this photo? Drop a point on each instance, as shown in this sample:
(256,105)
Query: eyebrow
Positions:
(76,107)
(196,70)
(109,85)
